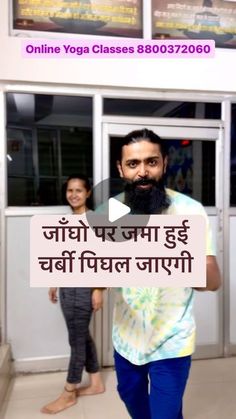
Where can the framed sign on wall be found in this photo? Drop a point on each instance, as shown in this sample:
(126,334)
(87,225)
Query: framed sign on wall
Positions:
(94,17)
(195,19)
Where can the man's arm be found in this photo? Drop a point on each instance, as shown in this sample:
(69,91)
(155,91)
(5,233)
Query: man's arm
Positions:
(213,275)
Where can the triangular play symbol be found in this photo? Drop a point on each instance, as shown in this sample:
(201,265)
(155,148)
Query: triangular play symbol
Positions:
(116,209)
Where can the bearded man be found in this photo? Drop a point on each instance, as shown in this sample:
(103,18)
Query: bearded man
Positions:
(154,328)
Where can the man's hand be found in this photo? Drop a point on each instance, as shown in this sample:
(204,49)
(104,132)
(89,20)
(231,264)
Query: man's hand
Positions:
(212,274)
(52,293)
(97,299)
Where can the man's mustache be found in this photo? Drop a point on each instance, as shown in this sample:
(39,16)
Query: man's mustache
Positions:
(142,182)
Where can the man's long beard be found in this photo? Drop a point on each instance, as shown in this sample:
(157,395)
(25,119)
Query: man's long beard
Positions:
(146,201)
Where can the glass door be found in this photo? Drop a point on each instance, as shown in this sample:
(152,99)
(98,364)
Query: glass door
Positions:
(195,169)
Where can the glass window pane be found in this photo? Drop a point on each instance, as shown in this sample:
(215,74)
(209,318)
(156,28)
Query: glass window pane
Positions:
(76,151)
(21,191)
(48,193)
(191,168)
(49,137)
(158,108)
(19,152)
(47,152)
(233,157)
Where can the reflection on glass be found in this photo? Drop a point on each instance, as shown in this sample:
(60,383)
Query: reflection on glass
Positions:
(79,141)
(161,108)
(19,152)
(47,152)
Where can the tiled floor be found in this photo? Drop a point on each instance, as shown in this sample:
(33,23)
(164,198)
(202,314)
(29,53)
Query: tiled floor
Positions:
(211,394)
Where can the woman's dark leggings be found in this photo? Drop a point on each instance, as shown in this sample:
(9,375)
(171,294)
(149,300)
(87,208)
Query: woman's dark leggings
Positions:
(76,304)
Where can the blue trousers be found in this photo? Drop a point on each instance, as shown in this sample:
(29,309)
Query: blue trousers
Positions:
(159,399)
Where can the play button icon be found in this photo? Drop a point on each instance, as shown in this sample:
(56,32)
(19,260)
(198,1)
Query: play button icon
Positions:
(116,210)
(111,217)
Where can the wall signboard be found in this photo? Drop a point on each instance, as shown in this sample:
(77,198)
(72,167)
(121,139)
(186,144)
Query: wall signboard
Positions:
(195,19)
(93,17)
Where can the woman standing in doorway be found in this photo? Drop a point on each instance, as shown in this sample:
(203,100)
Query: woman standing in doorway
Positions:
(77,306)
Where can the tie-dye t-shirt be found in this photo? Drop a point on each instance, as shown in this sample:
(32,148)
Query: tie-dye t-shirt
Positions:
(158,323)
